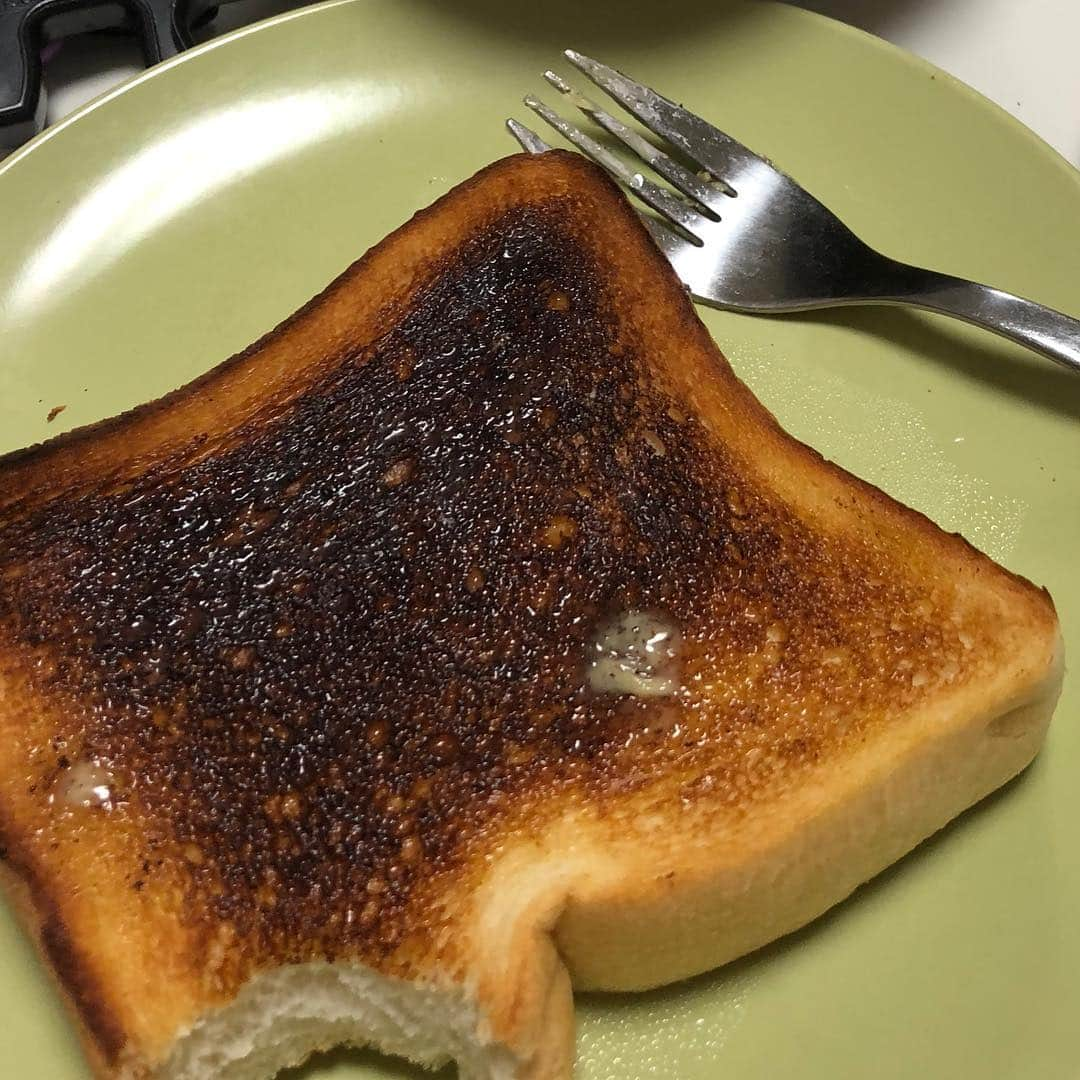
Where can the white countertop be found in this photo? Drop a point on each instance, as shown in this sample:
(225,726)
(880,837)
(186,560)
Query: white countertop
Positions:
(1020,54)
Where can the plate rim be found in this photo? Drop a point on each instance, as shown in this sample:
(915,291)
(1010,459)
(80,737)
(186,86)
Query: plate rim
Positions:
(864,37)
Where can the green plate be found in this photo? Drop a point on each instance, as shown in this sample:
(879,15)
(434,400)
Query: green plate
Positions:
(173,222)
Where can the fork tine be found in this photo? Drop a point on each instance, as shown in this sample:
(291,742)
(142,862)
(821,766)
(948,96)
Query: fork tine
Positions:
(710,147)
(526,137)
(665,238)
(664,203)
(707,195)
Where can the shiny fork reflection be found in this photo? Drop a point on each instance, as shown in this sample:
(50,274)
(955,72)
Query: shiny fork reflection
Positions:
(742,234)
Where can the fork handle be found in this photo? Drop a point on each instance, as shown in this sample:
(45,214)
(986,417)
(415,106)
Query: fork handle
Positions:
(1035,326)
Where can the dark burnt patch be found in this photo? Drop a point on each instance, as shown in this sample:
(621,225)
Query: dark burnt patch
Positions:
(323,658)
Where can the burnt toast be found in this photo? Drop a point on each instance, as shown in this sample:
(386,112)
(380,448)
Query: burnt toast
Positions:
(474,635)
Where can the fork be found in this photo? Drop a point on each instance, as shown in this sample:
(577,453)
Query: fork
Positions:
(744,235)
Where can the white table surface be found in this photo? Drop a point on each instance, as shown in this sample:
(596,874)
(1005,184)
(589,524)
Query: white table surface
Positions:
(1020,53)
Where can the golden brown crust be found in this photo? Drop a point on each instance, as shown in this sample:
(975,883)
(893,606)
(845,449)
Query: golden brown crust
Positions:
(321,622)
(99,1032)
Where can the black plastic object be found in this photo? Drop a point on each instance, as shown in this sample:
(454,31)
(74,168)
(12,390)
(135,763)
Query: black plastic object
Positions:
(163,28)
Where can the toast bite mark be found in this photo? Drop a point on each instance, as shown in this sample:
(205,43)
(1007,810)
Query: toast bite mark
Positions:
(474,632)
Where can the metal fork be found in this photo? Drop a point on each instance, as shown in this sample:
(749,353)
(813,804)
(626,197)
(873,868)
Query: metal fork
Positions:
(744,235)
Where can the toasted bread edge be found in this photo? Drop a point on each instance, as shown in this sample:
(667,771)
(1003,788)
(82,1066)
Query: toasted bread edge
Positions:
(99,1033)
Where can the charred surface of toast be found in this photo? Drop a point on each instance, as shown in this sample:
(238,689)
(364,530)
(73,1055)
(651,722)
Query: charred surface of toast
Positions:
(321,660)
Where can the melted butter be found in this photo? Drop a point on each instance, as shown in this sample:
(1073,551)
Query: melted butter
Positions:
(86,785)
(637,652)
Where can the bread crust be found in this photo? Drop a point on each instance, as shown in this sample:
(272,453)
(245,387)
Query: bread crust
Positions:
(98,1033)
(558,855)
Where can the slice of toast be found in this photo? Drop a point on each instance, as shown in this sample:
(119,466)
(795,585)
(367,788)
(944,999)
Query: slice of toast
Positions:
(474,635)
